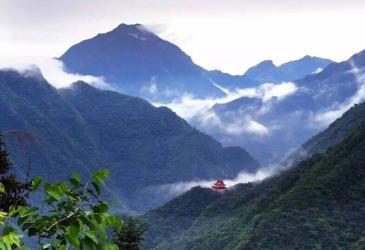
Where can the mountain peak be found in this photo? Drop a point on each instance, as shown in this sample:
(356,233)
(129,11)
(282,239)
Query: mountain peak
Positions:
(134,58)
(260,68)
(358,59)
(266,63)
(81,84)
(82,87)
(307,57)
(132,29)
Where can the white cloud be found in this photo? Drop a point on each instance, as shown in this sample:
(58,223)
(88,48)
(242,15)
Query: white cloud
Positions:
(280,91)
(257,128)
(243,124)
(199,110)
(53,71)
(175,189)
(327,117)
(150,88)
(318,70)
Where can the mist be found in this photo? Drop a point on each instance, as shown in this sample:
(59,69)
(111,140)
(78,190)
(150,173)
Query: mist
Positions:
(199,110)
(175,189)
(327,117)
(54,72)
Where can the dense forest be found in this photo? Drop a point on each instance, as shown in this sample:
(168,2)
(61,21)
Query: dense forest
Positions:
(319,204)
(84,128)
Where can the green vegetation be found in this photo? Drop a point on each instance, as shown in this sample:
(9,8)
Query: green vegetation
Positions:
(333,135)
(72,215)
(14,192)
(319,204)
(83,128)
(131,235)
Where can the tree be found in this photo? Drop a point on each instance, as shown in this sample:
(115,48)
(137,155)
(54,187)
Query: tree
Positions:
(131,235)
(15,192)
(72,216)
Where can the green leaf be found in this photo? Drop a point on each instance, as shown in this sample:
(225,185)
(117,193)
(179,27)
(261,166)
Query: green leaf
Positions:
(96,187)
(10,238)
(45,246)
(100,175)
(36,182)
(92,236)
(75,180)
(72,234)
(115,222)
(52,192)
(3,216)
(56,191)
(2,188)
(111,247)
(101,208)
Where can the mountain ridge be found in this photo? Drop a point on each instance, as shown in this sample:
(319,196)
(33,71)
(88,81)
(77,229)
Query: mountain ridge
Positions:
(138,62)
(83,128)
(267,72)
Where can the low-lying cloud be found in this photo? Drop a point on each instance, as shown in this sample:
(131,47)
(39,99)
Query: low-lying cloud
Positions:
(54,72)
(178,188)
(327,117)
(200,109)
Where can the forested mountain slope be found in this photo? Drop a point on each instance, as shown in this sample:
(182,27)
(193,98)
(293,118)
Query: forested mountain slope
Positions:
(83,128)
(328,138)
(319,204)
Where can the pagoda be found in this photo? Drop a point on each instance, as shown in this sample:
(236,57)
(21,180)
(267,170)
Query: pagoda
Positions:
(219,185)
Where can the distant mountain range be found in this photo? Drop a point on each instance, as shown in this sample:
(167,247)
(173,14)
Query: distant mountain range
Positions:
(318,204)
(137,62)
(266,71)
(316,101)
(82,128)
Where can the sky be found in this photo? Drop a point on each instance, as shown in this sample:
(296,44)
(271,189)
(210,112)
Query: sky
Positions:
(226,35)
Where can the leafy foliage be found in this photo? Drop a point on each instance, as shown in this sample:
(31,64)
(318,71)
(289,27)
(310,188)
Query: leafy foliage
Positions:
(14,192)
(131,235)
(72,217)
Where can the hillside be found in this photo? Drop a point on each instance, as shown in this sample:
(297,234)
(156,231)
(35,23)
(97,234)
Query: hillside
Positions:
(328,138)
(319,204)
(83,128)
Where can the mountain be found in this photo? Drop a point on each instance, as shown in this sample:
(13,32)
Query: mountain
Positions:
(139,63)
(328,138)
(230,82)
(267,71)
(274,124)
(319,204)
(82,128)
